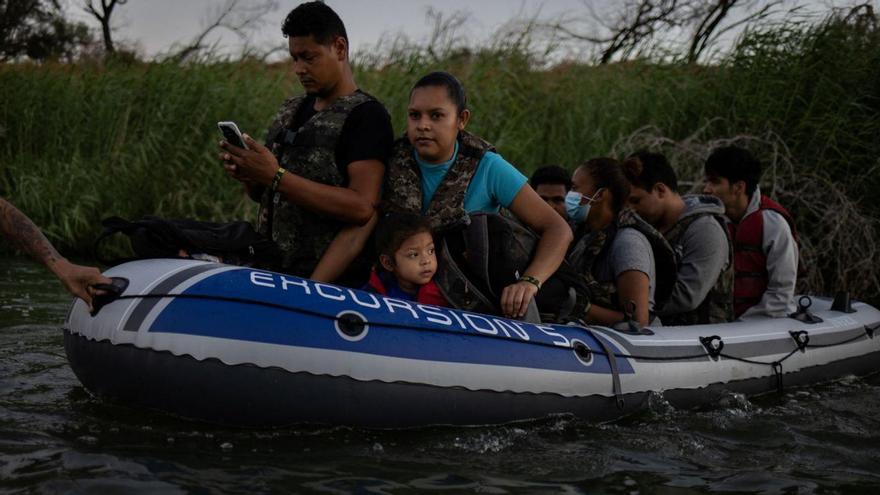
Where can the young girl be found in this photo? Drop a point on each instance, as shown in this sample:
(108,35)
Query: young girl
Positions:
(441,171)
(407,260)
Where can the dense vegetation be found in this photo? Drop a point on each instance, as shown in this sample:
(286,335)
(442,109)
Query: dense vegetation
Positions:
(79,142)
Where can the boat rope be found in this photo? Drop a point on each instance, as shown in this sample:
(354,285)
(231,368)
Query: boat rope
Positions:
(847,341)
(776,365)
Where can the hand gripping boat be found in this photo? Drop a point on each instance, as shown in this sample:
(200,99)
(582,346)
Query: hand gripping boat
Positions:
(253,348)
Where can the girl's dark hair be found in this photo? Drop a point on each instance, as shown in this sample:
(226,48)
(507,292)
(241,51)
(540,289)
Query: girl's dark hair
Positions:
(314,19)
(607,173)
(395,228)
(453,87)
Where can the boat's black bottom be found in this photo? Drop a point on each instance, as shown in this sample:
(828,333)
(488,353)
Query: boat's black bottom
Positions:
(250,396)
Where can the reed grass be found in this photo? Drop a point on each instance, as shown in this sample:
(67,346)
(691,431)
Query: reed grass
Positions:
(84,141)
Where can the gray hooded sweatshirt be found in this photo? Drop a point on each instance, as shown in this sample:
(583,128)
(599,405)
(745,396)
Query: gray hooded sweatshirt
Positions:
(703,253)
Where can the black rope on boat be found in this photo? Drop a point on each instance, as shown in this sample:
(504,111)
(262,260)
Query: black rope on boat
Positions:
(803,343)
(777,371)
(776,365)
(835,344)
(762,363)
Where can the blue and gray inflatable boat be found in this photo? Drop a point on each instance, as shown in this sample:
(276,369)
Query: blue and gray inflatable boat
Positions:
(253,348)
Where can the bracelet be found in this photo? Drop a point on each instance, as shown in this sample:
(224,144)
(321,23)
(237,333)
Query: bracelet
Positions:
(587,308)
(277,179)
(531,280)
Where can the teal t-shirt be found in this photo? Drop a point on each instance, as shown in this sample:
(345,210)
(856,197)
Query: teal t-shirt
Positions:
(495,183)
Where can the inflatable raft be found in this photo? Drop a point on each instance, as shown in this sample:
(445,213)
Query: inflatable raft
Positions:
(247,347)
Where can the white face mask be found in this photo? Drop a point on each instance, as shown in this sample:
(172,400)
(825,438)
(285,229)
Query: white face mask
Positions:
(578,205)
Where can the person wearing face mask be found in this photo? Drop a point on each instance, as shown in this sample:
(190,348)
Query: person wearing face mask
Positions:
(628,264)
(444,173)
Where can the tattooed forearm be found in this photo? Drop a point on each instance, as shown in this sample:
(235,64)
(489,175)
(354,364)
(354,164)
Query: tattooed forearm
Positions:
(24,235)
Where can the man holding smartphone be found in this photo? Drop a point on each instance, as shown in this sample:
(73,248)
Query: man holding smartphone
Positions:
(319,175)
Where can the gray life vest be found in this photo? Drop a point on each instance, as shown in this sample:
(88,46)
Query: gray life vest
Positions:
(717,307)
(592,246)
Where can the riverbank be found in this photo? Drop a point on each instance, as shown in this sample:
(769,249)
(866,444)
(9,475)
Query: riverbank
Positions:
(83,142)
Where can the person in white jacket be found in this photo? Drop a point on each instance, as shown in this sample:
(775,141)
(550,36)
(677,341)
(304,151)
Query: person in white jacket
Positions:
(763,233)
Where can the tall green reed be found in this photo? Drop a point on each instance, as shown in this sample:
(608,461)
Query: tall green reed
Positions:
(81,142)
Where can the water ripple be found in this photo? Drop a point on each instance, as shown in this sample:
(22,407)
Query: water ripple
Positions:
(56,438)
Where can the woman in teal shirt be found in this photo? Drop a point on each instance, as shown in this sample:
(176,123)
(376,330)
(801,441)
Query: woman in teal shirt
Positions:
(443,172)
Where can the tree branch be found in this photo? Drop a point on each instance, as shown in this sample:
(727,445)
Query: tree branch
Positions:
(233,16)
(103,16)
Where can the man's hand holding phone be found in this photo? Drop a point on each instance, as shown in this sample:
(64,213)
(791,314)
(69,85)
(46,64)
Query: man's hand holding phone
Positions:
(231,133)
(251,162)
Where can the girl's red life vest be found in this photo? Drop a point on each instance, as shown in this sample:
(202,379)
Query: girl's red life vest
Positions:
(428,293)
(749,260)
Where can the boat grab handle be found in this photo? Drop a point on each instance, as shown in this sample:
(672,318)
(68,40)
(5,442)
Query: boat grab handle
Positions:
(112,291)
(803,314)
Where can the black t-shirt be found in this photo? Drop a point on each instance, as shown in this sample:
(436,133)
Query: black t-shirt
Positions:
(366,135)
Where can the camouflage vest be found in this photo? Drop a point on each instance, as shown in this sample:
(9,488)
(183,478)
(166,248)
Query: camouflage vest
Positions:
(717,307)
(592,246)
(403,182)
(310,152)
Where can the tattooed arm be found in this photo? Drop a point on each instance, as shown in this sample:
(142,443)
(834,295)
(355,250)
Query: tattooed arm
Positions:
(24,235)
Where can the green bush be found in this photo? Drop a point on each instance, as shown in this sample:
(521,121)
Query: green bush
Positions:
(81,142)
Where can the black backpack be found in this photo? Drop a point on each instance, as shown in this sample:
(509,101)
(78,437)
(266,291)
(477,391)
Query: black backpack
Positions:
(479,259)
(235,243)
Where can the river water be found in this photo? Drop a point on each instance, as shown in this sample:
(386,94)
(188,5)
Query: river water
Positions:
(56,438)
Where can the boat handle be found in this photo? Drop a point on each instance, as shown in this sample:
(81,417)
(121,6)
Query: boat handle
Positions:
(112,291)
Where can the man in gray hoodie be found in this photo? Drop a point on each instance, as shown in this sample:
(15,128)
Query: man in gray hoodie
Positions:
(694,225)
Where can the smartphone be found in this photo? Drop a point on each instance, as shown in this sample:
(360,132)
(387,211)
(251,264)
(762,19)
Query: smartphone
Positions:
(232,134)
